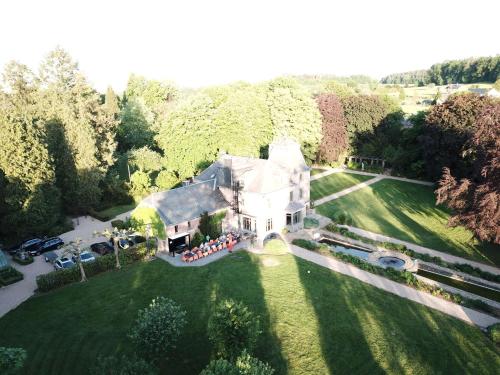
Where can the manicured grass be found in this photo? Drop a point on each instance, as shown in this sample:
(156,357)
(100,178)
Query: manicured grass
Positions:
(334,183)
(112,212)
(408,212)
(314,321)
(316,171)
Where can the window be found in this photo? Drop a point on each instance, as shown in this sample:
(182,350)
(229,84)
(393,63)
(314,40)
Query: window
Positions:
(301,193)
(247,223)
(189,224)
(176,228)
(300,176)
(291,196)
(288,219)
(269,224)
(296,217)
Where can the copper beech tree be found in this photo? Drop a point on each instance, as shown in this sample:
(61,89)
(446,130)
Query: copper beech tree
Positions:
(475,199)
(334,141)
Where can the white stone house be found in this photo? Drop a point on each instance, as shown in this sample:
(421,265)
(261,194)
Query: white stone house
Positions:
(259,196)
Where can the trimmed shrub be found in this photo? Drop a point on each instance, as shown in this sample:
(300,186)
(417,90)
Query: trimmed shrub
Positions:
(233,328)
(118,224)
(197,239)
(245,364)
(10,275)
(123,366)
(494,333)
(11,360)
(21,261)
(158,327)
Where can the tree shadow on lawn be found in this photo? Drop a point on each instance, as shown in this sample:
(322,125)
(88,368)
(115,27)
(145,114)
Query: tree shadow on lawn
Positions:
(468,248)
(367,330)
(199,290)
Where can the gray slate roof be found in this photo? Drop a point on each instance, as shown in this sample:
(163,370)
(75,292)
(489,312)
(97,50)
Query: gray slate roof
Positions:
(186,203)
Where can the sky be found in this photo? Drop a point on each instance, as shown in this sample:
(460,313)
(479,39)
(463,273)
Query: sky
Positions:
(200,43)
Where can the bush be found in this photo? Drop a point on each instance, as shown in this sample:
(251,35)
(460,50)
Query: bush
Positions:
(11,360)
(123,366)
(494,333)
(10,275)
(197,239)
(21,261)
(233,328)
(245,364)
(158,327)
(118,224)
(56,279)
(309,245)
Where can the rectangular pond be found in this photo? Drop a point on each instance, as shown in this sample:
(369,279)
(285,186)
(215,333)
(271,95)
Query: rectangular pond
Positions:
(346,249)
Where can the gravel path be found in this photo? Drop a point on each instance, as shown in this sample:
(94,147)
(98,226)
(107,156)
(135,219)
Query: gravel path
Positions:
(344,170)
(347,191)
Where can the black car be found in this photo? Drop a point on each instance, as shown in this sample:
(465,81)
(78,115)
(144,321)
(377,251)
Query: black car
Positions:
(29,246)
(50,244)
(102,248)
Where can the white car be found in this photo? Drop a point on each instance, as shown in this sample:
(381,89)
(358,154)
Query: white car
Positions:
(85,257)
(63,263)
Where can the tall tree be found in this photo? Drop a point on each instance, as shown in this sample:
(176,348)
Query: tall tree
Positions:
(32,201)
(72,108)
(105,127)
(294,114)
(475,199)
(335,141)
(448,127)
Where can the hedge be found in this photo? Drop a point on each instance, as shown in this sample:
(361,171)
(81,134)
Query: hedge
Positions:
(56,279)
(461,267)
(9,276)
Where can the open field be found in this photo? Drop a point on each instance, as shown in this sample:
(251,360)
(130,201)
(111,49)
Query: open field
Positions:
(408,212)
(334,183)
(314,321)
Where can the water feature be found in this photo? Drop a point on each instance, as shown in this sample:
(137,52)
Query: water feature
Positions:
(343,248)
(468,287)
(391,262)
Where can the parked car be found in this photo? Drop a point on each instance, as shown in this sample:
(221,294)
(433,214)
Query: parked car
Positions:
(125,244)
(48,244)
(28,246)
(102,248)
(85,257)
(63,263)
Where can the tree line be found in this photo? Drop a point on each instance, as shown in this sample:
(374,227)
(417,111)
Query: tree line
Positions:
(472,70)
(69,150)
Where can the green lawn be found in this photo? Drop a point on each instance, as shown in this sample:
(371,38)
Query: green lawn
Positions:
(112,212)
(408,212)
(314,321)
(316,171)
(334,183)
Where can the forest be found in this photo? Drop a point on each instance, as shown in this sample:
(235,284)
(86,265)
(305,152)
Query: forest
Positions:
(472,70)
(69,150)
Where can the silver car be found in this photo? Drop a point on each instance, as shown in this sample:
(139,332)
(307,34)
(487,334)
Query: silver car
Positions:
(63,263)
